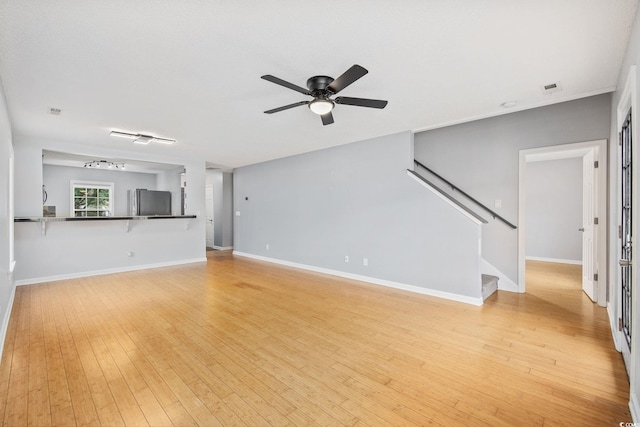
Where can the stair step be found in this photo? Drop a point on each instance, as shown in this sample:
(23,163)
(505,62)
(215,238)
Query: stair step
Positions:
(489,285)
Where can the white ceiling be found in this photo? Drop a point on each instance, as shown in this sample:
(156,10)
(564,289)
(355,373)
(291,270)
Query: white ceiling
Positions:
(190,70)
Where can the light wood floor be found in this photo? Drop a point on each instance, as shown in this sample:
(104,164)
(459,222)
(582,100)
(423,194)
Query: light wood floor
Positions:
(241,342)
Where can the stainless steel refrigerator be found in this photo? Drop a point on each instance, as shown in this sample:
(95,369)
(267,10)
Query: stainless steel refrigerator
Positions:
(144,202)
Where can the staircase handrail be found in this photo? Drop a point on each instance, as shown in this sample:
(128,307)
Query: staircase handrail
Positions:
(448,198)
(454,187)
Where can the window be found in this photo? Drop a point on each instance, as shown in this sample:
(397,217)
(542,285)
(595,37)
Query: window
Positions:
(91,198)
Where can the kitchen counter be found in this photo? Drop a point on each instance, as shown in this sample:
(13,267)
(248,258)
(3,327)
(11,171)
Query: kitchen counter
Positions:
(44,220)
(98,218)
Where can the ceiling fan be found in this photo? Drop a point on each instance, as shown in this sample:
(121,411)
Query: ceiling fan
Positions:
(322,88)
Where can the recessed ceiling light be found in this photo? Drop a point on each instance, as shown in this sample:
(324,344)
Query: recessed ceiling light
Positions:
(509,104)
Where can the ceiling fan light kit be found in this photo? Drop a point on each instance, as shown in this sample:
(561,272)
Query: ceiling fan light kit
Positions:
(321,106)
(140,138)
(322,88)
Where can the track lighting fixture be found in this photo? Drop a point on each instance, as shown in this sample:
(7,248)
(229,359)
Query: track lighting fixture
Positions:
(104,164)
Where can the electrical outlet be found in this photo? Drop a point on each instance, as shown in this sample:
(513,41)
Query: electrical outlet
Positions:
(365,261)
(346,258)
(267,246)
(498,204)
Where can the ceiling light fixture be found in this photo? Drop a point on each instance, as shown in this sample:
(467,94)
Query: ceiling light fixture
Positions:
(123,135)
(143,139)
(163,140)
(139,138)
(321,106)
(104,163)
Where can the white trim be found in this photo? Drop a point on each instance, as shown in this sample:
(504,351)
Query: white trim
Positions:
(504,282)
(628,99)
(222,248)
(613,321)
(35,280)
(93,184)
(5,320)
(634,407)
(11,209)
(556,260)
(564,151)
(373,280)
(446,199)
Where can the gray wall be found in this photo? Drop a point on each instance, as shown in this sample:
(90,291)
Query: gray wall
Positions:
(97,247)
(57,182)
(7,282)
(169,180)
(482,158)
(554,209)
(356,200)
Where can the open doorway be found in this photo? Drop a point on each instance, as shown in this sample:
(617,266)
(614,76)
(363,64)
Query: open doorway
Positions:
(219,209)
(593,158)
(554,211)
(209,212)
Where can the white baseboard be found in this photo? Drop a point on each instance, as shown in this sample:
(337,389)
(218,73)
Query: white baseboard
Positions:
(367,279)
(5,320)
(504,283)
(634,408)
(613,323)
(222,248)
(35,280)
(556,260)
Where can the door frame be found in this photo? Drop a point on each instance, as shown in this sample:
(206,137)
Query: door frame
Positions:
(627,100)
(209,209)
(566,151)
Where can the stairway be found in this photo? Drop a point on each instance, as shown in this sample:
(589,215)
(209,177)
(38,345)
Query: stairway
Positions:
(489,286)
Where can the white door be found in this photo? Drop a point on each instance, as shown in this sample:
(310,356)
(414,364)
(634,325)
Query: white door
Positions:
(209,214)
(588,229)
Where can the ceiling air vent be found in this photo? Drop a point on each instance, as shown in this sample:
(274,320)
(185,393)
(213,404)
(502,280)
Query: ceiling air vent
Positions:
(55,111)
(551,88)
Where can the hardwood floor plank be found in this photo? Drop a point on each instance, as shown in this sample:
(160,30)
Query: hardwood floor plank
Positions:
(39,407)
(106,406)
(239,342)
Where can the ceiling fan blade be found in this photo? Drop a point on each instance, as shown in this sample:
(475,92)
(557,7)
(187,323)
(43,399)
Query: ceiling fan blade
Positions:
(276,80)
(286,107)
(348,77)
(361,102)
(327,119)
